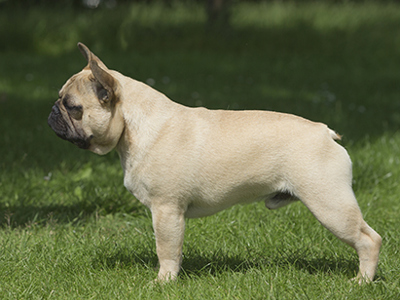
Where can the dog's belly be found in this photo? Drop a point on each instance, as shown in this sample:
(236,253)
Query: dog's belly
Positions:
(194,211)
(272,201)
(199,209)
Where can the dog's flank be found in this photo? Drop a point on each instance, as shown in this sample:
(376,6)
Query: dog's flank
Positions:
(184,162)
(280,199)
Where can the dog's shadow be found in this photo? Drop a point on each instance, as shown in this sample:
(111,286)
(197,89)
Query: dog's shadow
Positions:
(197,265)
(298,259)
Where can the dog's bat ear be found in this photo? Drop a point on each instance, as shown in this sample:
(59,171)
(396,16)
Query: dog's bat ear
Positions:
(85,51)
(89,56)
(106,92)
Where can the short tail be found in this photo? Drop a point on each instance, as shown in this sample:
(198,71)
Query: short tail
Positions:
(335,135)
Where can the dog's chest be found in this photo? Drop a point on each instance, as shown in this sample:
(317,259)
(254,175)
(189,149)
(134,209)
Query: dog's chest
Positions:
(137,188)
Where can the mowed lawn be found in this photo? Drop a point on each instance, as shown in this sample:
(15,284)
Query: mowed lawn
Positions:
(70,230)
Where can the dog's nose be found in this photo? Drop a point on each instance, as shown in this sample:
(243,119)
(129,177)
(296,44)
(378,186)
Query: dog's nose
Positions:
(55,109)
(54,115)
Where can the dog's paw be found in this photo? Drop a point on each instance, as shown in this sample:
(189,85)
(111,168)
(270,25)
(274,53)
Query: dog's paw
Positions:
(361,280)
(165,278)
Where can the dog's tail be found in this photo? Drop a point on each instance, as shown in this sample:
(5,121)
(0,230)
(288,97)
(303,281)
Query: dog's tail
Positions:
(335,135)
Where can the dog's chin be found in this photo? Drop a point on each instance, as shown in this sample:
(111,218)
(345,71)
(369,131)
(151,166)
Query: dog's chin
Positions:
(81,142)
(100,149)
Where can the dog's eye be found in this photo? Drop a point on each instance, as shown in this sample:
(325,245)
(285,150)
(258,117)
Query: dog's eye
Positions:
(75,111)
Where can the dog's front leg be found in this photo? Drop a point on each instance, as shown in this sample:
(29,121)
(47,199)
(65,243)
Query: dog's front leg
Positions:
(169,227)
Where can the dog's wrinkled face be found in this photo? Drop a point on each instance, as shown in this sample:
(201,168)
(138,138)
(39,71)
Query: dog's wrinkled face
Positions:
(67,114)
(87,110)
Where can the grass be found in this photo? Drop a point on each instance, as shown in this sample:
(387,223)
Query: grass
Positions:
(69,229)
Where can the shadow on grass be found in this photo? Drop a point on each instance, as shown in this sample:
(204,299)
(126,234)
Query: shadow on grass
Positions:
(24,215)
(125,258)
(300,259)
(199,265)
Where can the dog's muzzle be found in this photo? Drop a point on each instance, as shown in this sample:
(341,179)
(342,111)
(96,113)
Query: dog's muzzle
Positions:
(67,130)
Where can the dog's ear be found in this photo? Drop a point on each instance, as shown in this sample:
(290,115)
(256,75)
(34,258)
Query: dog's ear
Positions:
(89,55)
(107,88)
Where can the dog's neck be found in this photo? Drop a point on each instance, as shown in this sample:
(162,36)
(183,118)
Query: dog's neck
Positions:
(145,112)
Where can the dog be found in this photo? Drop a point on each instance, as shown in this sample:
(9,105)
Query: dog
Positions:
(184,162)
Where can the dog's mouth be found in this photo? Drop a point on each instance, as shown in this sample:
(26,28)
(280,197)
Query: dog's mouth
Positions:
(66,129)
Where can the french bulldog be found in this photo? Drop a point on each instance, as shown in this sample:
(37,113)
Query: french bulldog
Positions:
(184,162)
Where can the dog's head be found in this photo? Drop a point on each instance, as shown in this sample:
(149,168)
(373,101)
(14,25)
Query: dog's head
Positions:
(87,112)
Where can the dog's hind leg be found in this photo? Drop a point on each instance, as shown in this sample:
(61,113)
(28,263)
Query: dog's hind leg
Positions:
(337,209)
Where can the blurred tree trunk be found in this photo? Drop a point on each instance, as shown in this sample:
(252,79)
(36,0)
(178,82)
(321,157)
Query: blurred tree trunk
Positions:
(218,14)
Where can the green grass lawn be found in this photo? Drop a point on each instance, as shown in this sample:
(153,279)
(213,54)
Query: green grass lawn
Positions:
(70,230)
